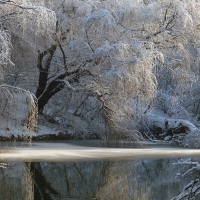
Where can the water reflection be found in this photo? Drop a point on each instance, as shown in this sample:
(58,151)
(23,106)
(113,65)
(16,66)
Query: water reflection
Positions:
(91,172)
(42,188)
(113,180)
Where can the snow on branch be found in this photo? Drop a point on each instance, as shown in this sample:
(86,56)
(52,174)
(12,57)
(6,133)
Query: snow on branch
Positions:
(104,18)
(4,47)
(26,18)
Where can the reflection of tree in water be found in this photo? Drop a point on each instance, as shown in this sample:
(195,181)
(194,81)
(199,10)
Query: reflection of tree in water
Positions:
(42,188)
(113,180)
(145,179)
(66,180)
(114,184)
(83,180)
(15,182)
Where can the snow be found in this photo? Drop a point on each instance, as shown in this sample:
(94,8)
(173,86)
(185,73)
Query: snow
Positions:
(44,127)
(159,127)
(18,111)
(159,121)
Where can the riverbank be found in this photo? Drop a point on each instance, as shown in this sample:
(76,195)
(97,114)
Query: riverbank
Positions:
(48,129)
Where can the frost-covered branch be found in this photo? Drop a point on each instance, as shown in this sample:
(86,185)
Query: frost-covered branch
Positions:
(5,45)
(166,23)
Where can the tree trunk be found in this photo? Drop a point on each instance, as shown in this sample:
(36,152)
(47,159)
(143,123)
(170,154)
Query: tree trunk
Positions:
(42,83)
(48,93)
(51,89)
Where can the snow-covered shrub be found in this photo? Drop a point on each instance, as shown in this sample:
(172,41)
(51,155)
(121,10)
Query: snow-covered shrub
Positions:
(18,112)
(170,105)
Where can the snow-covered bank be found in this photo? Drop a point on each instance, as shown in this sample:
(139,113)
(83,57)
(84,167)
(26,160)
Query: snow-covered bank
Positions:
(180,132)
(46,129)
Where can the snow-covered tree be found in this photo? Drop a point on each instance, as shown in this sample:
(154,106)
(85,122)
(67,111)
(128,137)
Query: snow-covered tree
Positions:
(28,20)
(96,51)
(112,51)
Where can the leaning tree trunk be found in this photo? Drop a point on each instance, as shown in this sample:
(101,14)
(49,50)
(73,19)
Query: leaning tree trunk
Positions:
(48,87)
(52,88)
(43,64)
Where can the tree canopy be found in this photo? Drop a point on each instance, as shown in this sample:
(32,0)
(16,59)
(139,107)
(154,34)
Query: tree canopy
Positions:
(117,52)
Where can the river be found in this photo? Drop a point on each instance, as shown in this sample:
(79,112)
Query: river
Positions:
(94,170)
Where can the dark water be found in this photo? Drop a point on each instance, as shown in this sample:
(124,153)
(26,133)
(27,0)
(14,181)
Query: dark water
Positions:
(97,173)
